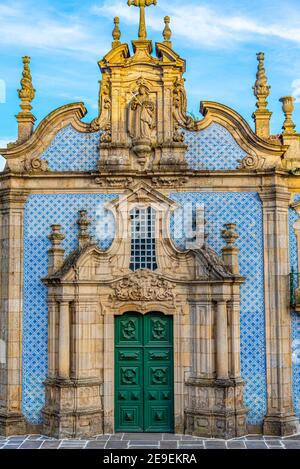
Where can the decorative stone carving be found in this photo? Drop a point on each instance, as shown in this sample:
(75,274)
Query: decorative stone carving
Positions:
(288,108)
(114,181)
(35,164)
(141,122)
(169,181)
(143,286)
(179,112)
(249,162)
(261,90)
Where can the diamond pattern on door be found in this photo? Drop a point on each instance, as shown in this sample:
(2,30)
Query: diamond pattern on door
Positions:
(144,373)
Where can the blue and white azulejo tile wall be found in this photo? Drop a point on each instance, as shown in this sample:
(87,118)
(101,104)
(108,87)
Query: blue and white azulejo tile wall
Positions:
(245,210)
(293,216)
(213,148)
(71,150)
(41,211)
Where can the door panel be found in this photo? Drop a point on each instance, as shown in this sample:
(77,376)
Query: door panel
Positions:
(129,373)
(144,372)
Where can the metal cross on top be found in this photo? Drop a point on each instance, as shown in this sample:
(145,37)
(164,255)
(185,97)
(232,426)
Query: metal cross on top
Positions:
(142,4)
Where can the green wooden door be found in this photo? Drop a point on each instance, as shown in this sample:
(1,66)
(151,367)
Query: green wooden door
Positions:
(144,373)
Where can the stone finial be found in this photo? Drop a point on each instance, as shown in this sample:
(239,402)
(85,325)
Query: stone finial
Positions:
(56,252)
(167,33)
(230,251)
(26,94)
(288,108)
(261,90)
(116,34)
(141,4)
(83,222)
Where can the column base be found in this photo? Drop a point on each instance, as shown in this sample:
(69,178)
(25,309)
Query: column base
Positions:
(12,424)
(73,408)
(281,425)
(215,409)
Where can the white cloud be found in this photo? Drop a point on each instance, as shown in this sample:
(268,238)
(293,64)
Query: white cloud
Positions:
(203,24)
(2,91)
(41,29)
(296,90)
(5,140)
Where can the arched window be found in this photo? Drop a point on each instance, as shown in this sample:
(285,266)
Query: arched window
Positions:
(143,254)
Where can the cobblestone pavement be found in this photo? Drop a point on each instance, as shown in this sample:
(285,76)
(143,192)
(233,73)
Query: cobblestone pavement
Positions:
(149,441)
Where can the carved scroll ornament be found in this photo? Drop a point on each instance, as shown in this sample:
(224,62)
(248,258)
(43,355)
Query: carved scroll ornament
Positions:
(143,286)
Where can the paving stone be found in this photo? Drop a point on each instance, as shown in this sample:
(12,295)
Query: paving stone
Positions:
(186,445)
(171,436)
(214,444)
(168,444)
(11,447)
(256,445)
(116,445)
(31,444)
(50,444)
(292,444)
(187,437)
(103,437)
(116,437)
(143,442)
(34,437)
(272,443)
(254,437)
(95,445)
(292,437)
(236,445)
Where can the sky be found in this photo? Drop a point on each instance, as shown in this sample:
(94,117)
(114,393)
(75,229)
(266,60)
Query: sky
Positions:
(218,38)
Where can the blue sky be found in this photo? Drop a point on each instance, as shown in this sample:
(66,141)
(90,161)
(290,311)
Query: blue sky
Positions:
(218,38)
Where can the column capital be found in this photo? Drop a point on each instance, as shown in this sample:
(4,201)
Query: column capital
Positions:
(64,298)
(277,195)
(13,198)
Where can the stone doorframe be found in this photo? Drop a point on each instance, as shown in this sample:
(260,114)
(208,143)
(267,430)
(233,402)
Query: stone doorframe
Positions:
(87,289)
(181,361)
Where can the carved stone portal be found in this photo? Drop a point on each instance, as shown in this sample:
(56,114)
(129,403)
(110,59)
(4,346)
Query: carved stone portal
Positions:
(90,286)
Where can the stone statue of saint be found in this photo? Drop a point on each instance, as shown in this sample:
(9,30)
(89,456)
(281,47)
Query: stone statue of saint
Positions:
(141,116)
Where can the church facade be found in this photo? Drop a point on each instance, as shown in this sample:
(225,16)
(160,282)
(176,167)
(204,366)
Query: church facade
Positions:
(149,261)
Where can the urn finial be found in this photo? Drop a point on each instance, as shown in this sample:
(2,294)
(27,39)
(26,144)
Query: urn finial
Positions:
(83,222)
(116,34)
(167,33)
(288,108)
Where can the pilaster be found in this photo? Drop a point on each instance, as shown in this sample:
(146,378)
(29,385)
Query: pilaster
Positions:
(280,418)
(11,309)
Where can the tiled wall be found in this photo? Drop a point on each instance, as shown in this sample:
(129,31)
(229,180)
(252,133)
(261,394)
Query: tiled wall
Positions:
(73,151)
(245,210)
(295,316)
(43,210)
(40,212)
(213,148)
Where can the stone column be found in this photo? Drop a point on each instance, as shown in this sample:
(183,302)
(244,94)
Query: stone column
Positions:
(280,418)
(11,310)
(64,340)
(222,341)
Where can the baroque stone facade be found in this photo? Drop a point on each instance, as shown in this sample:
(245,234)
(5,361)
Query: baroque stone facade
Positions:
(146,211)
